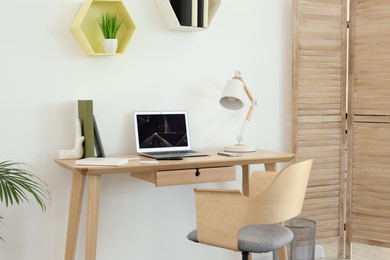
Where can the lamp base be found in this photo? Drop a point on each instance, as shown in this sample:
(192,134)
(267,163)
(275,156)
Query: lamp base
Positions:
(239,149)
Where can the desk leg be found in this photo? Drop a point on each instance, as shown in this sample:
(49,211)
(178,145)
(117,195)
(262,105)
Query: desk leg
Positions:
(245,188)
(245,192)
(76,198)
(245,180)
(270,167)
(92,216)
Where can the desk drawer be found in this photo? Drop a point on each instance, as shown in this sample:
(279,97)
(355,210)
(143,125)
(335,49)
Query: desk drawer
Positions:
(192,176)
(189,176)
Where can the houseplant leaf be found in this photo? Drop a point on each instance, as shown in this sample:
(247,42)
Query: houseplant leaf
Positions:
(16,183)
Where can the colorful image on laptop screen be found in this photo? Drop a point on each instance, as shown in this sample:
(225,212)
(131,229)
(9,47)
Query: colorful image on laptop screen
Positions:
(162,130)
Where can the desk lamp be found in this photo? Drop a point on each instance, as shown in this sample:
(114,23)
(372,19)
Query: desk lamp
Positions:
(232,98)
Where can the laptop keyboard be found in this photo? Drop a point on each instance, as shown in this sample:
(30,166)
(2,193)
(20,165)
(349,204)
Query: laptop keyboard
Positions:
(171,152)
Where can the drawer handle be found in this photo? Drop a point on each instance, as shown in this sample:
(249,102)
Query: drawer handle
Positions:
(197,173)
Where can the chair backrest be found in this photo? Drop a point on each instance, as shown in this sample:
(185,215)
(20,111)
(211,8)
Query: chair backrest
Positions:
(221,214)
(284,198)
(260,181)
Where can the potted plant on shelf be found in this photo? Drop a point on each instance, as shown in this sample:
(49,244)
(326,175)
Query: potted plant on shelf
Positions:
(16,183)
(109,24)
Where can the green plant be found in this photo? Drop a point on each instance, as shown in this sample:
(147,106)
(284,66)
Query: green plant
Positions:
(16,183)
(109,24)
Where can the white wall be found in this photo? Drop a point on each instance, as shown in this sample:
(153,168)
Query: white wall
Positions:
(43,72)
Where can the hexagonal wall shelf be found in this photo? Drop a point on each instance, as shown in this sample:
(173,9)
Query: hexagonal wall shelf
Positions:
(87,31)
(172,22)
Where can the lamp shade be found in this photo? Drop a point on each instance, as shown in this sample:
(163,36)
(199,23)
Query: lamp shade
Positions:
(232,95)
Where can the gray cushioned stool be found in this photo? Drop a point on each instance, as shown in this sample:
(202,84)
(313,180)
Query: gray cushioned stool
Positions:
(258,238)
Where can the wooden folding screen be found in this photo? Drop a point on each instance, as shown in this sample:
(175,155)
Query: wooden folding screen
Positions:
(319,109)
(369,124)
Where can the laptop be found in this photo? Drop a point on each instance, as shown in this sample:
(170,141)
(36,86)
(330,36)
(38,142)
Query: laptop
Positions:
(163,135)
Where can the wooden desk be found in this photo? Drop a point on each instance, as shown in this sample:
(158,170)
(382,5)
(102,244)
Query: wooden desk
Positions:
(197,169)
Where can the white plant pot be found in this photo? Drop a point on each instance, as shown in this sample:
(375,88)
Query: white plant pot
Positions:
(110,45)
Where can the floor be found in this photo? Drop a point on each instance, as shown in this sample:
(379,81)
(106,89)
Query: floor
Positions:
(359,252)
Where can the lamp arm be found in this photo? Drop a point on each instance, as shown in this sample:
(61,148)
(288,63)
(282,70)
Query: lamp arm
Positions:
(240,136)
(249,94)
(247,91)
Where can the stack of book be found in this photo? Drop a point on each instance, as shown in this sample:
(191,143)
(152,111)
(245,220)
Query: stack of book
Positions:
(191,12)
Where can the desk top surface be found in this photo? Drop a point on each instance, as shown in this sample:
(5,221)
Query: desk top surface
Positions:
(213,160)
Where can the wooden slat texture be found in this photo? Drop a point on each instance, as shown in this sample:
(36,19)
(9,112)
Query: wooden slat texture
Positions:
(371,63)
(319,108)
(370,182)
(369,124)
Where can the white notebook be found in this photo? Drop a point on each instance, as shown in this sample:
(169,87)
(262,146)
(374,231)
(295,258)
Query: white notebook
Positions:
(102,161)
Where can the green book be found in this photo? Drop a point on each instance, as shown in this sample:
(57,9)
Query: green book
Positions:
(85,109)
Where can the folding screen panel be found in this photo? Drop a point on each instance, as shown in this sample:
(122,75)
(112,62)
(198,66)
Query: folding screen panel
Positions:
(369,123)
(319,109)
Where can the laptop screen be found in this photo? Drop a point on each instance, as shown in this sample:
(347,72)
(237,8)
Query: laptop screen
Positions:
(161,131)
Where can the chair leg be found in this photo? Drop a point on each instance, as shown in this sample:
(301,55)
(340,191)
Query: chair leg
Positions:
(245,255)
(283,253)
